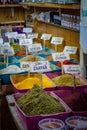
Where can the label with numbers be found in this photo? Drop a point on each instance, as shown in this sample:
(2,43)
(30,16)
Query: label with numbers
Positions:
(46,36)
(32,35)
(25,42)
(56,40)
(73,69)
(60,56)
(39,66)
(25,66)
(11,34)
(27,30)
(34,47)
(70,49)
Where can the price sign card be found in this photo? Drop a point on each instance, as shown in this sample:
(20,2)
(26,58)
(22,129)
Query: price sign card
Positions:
(25,66)
(73,69)
(6,44)
(11,34)
(60,56)
(25,42)
(7,51)
(39,66)
(46,36)
(56,40)
(32,35)
(70,49)
(21,36)
(27,30)
(1,41)
(34,47)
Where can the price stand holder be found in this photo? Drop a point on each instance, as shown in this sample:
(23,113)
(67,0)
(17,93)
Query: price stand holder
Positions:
(7,51)
(32,35)
(40,67)
(72,69)
(56,41)
(45,37)
(11,36)
(25,42)
(35,48)
(60,57)
(27,30)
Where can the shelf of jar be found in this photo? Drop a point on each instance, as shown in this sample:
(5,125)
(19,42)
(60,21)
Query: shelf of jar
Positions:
(59,26)
(47,5)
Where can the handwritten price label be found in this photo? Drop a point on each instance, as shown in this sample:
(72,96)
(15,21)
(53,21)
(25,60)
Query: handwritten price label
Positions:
(27,30)
(34,47)
(25,42)
(25,66)
(60,56)
(21,36)
(39,66)
(70,50)
(46,36)
(32,35)
(7,51)
(73,69)
(1,41)
(56,40)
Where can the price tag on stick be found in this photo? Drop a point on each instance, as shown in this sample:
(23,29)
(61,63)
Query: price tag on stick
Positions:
(45,37)
(40,67)
(70,49)
(56,41)
(73,69)
(60,57)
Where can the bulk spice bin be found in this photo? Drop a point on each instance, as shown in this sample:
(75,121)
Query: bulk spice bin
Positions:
(76,99)
(66,81)
(25,82)
(31,122)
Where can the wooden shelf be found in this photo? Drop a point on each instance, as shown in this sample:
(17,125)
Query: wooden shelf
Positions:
(71,6)
(12,22)
(10,5)
(59,26)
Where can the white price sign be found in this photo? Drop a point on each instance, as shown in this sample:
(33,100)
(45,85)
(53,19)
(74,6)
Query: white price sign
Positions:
(70,49)
(7,51)
(32,35)
(25,42)
(60,56)
(6,44)
(56,40)
(25,66)
(39,66)
(73,69)
(1,41)
(27,30)
(21,36)
(46,36)
(34,47)
(11,34)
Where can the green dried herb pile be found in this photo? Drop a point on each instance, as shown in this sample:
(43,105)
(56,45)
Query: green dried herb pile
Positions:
(36,101)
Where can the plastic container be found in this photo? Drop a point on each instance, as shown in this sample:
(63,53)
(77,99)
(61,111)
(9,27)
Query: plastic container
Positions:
(51,124)
(80,128)
(31,122)
(76,121)
(74,99)
(15,79)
